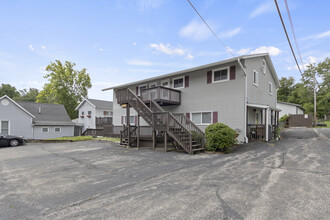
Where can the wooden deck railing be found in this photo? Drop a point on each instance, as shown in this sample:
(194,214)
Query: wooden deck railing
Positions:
(162,95)
(256,132)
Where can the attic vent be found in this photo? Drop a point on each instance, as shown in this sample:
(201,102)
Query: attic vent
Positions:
(39,110)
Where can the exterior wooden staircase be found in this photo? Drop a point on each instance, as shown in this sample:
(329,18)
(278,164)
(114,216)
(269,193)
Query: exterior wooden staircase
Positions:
(177,126)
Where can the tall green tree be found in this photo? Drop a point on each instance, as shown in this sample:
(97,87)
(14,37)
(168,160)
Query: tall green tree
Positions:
(286,89)
(10,91)
(65,86)
(28,95)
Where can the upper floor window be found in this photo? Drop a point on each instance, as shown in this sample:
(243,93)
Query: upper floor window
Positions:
(178,83)
(264,66)
(141,87)
(89,112)
(221,74)
(270,88)
(165,83)
(152,85)
(106,113)
(82,113)
(255,77)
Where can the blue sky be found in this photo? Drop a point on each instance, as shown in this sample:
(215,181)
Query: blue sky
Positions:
(120,41)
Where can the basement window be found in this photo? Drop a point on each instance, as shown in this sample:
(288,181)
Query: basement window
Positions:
(57,130)
(44,130)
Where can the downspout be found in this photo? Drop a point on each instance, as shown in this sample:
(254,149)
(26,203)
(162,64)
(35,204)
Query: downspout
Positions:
(267,109)
(245,101)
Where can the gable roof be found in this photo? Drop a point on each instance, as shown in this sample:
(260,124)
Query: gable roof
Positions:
(234,59)
(293,104)
(96,103)
(19,106)
(50,114)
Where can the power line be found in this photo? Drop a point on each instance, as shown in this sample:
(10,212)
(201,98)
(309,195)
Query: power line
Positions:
(287,36)
(294,35)
(227,48)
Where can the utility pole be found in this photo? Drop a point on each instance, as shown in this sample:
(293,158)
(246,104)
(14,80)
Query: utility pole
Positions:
(314,85)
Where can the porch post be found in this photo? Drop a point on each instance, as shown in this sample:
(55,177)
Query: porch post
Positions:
(138,132)
(165,140)
(266,122)
(128,124)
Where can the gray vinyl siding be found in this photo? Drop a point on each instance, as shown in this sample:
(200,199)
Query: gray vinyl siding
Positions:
(259,94)
(66,131)
(88,122)
(226,98)
(20,123)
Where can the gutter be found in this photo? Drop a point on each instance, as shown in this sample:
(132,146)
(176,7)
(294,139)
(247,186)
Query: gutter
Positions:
(245,101)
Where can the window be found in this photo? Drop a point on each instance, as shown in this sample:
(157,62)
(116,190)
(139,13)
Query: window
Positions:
(255,78)
(152,85)
(82,113)
(202,118)
(57,129)
(106,113)
(131,120)
(44,130)
(270,88)
(166,83)
(264,66)
(5,127)
(220,75)
(178,83)
(141,87)
(89,113)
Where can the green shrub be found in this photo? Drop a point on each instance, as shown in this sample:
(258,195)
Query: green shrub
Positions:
(284,118)
(196,136)
(220,137)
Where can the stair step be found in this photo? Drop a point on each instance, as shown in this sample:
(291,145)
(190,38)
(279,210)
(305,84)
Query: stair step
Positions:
(198,149)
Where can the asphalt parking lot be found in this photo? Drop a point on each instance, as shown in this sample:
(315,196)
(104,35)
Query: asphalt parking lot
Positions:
(288,179)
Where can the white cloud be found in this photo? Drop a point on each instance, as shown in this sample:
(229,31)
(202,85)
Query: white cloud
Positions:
(273,51)
(189,57)
(145,4)
(31,47)
(134,43)
(323,35)
(231,33)
(167,49)
(318,36)
(243,51)
(264,8)
(101,49)
(143,70)
(195,30)
(43,47)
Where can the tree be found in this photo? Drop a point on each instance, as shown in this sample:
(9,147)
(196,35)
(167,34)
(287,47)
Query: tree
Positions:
(28,95)
(65,86)
(10,91)
(287,87)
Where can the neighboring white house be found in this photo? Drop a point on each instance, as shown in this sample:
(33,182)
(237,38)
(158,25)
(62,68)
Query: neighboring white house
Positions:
(289,108)
(34,120)
(91,109)
(240,92)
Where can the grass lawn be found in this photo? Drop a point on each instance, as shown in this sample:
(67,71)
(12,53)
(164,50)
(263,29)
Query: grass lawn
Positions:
(85,138)
(326,122)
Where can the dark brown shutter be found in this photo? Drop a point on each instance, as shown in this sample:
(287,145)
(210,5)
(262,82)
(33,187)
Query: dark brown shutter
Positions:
(137,90)
(135,119)
(188,115)
(122,120)
(232,72)
(209,77)
(215,117)
(186,81)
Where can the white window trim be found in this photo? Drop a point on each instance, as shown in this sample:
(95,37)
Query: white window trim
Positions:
(152,84)
(57,131)
(257,76)
(223,80)
(201,117)
(166,80)
(42,130)
(8,125)
(183,84)
(124,119)
(264,66)
(139,90)
(271,88)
